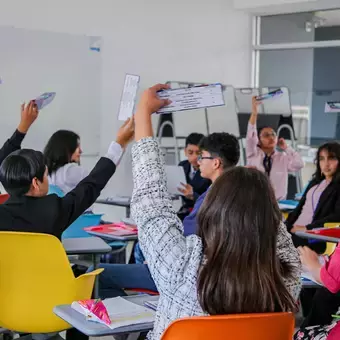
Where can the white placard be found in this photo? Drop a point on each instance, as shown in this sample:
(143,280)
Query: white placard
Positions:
(127,102)
(332,107)
(175,176)
(192,98)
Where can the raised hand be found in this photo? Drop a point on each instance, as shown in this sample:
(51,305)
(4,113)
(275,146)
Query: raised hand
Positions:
(29,114)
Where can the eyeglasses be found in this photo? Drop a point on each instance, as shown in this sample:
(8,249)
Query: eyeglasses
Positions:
(200,158)
(267,135)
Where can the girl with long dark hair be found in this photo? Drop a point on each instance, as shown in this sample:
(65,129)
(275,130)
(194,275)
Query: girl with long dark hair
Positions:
(232,265)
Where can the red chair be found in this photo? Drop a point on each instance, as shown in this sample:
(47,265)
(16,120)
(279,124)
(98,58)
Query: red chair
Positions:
(269,326)
(3,198)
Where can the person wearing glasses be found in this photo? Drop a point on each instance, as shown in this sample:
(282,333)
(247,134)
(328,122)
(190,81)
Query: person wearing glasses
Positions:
(219,151)
(262,153)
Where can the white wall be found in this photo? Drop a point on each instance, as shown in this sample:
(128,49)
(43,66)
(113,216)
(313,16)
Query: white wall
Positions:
(180,40)
(267,7)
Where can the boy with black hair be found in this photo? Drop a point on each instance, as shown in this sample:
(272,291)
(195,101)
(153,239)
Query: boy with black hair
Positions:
(196,184)
(24,175)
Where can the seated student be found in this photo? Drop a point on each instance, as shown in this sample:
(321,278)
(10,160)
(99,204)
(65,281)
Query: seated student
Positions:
(29,114)
(237,231)
(62,154)
(219,152)
(320,202)
(319,325)
(29,209)
(196,184)
(261,152)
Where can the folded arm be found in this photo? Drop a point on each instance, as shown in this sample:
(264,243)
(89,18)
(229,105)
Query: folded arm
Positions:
(295,162)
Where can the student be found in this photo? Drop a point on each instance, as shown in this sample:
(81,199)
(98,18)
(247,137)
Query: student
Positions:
(62,154)
(29,114)
(30,209)
(219,152)
(329,276)
(261,152)
(237,231)
(196,184)
(320,202)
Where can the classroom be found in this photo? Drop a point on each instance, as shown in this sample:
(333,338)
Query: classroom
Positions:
(169,170)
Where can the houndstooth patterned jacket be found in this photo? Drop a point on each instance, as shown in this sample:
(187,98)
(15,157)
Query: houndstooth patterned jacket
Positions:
(173,259)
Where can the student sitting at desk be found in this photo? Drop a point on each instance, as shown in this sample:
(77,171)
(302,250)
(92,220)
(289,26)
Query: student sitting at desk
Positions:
(320,202)
(218,152)
(196,184)
(30,209)
(62,154)
(318,324)
(261,152)
(187,270)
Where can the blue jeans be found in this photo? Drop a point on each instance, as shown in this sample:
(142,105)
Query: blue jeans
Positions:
(139,257)
(116,277)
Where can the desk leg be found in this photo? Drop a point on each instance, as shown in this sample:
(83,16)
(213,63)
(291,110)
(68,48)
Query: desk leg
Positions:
(128,212)
(96,260)
(133,336)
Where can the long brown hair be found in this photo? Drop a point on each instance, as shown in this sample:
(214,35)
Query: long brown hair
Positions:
(238,223)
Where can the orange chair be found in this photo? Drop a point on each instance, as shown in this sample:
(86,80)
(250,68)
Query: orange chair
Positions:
(3,198)
(278,326)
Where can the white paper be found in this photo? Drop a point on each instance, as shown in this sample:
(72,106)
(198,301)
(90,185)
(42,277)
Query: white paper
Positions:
(284,206)
(121,312)
(332,107)
(175,176)
(192,98)
(127,102)
(307,275)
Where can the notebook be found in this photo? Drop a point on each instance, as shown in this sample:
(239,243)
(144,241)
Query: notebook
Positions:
(115,229)
(152,304)
(120,311)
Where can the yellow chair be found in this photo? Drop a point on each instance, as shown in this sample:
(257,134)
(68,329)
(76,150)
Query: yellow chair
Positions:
(36,276)
(330,246)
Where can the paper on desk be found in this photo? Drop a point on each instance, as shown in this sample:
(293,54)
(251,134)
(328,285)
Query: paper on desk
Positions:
(284,206)
(121,312)
(307,275)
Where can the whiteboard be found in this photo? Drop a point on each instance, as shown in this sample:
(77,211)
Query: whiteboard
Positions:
(33,62)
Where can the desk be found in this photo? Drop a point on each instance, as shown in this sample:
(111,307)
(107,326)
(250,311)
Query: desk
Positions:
(304,234)
(123,201)
(118,201)
(89,328)
(131,239)
(94,246)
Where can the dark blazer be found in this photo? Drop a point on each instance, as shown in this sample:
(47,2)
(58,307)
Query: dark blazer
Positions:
(11,145)
(327,210)
(51,214)
(199,184)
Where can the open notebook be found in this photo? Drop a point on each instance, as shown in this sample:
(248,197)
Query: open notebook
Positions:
(120,312)
(307,275)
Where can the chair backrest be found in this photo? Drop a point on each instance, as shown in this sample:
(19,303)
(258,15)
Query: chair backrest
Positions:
(35,276)
(54,189)
(76,229)
(278,326)
(3,198)
(330,246)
